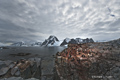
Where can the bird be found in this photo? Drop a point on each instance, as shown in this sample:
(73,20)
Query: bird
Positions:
(110,12)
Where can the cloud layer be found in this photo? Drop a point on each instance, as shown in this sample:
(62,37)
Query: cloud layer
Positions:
(35,20)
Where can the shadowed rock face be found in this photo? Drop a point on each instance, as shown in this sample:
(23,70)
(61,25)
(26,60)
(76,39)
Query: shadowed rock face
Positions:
(89,61)
(22,68)
(73,41)
(63,43)
(87,40)
(53,37)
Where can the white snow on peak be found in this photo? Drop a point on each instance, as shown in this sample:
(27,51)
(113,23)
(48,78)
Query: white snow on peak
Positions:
(67,39)
(57,43)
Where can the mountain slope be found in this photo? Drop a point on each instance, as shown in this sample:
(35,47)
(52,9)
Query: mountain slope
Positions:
(65,42)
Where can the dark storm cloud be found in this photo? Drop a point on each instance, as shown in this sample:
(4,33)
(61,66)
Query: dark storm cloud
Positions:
(100,24)
(37,19)
(116,24)
(12,32)
(7,25)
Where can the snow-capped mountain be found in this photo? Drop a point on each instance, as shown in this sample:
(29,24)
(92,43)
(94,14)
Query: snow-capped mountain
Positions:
(36,44)
(19,44)
(79,40)
(75,41)
(65,41)
(26,44)
(51,41)
(87,40)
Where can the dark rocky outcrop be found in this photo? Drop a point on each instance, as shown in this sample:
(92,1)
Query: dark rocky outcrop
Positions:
(64,42)
(72,41)
(30,68)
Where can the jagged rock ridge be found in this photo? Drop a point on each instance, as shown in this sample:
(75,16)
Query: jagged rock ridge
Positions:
(76,41)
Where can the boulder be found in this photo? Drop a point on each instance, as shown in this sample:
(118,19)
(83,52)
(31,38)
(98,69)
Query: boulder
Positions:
(14,70)
(22,68)
(4,70)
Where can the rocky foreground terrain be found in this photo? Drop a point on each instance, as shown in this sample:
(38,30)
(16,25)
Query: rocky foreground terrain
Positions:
(89,61)
(15,57)
(85,61)
(19,70)
(27,69)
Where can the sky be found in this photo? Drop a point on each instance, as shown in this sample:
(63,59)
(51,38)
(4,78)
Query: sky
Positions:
(36,20)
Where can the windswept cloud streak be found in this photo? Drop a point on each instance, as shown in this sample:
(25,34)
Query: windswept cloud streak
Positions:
(31,20)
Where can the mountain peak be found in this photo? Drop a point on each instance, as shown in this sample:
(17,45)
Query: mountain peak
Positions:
(51,37)
(50,41)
